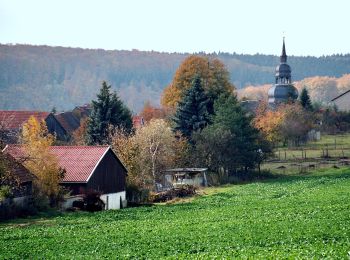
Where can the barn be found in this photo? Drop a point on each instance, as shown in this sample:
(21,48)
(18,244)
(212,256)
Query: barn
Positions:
(89,168)
(11,123)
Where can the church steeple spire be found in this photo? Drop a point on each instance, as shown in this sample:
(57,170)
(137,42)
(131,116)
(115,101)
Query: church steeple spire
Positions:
(283,90)
(283,57)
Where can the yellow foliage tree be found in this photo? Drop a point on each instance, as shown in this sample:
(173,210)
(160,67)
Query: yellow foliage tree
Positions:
(127,149)
(36,143)
(146,153)
(212,72)
(155,141)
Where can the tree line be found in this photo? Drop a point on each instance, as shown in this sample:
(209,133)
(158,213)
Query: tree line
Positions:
(42,77)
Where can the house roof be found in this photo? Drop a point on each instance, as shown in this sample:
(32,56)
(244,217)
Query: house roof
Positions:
(68,121)
(79,162)
(15,119)
(19,171)
(341,95)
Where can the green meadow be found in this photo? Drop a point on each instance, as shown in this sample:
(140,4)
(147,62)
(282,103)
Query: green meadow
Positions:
(285,217)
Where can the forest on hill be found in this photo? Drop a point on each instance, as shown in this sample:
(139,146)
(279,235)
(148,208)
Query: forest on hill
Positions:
(43,77)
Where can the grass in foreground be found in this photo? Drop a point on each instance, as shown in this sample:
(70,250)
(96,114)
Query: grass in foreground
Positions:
(289,217)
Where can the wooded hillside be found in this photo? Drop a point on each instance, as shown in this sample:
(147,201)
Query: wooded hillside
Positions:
(42,77)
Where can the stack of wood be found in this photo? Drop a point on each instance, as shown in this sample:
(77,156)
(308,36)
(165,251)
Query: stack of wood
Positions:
(178,192)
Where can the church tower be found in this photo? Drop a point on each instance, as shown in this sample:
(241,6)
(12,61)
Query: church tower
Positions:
(283,89)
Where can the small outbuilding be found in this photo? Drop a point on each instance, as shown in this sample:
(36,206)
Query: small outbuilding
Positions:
(186,176)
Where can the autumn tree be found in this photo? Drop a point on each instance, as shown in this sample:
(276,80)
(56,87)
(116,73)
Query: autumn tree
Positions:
(151,112)
(150,150)
(128,151)
(212,72)
(269,122)
(288,123)
(192,111)
(39,161)
(155,141)
(296,124)
(78,136)
(107,110)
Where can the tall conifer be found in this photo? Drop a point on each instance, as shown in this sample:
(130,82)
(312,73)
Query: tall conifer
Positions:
(305,100)
(107,110)
(192,111)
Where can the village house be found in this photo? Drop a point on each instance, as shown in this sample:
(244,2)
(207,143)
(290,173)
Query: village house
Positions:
(68,121)
(11,123)
(87,168)
(23,191)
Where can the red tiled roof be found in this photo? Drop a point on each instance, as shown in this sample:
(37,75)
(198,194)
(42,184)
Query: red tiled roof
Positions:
(15,119)
(78,161)
(18,169)
(69,121)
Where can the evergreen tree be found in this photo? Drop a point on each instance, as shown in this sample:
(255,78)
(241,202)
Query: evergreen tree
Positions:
(230,142)
(107,110)
(192,111)
(305,100)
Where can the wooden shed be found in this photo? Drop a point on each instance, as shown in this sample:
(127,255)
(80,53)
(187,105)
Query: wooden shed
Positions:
(186,176)
(89,168)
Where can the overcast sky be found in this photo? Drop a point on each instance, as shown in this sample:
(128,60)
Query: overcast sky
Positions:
(244,26)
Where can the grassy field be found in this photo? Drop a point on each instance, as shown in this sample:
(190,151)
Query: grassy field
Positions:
(330,151)
(287,217)
(334,145)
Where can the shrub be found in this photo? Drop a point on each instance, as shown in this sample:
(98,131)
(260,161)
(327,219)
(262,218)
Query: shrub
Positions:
(92,201)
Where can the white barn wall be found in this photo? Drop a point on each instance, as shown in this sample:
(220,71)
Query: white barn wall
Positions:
(112,200)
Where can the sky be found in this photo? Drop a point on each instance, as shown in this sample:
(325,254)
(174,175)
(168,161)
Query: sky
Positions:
(310,27)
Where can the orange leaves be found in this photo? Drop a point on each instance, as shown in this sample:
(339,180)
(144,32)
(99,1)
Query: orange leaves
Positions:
(269,122)
(150,112)
(214,76)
